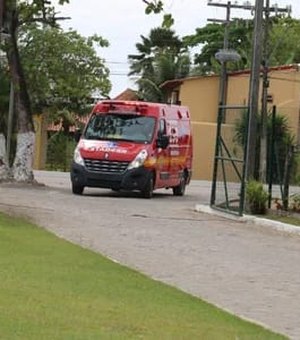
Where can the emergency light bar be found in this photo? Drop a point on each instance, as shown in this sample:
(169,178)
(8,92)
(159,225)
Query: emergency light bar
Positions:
(122,107)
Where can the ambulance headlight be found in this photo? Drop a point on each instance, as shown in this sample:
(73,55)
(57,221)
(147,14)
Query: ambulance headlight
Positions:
(77,157)
(139,160)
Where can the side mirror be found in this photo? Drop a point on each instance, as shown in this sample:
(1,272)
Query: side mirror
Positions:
(162,141)
(77,135)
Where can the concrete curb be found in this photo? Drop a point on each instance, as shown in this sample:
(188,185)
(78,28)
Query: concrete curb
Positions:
(249,219)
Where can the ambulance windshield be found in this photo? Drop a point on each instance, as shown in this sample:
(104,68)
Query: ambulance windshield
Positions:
(133,128)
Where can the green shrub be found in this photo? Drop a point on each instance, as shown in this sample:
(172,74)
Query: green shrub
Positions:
(295,204)
(256,197)
(295,175)
(60,151)
(284,139)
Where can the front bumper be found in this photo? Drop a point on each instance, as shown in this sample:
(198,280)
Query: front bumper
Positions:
(134,179)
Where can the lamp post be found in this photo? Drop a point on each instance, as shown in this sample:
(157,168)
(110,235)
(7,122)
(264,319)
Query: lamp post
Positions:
(224,56)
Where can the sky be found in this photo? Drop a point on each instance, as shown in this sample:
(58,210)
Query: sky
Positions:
(122,22)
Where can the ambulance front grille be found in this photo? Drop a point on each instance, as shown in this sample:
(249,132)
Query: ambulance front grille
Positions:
(105,166)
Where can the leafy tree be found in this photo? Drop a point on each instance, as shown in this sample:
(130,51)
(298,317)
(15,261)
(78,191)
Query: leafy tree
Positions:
(63,71)
(157,6)
(284,43)
(210,39)
(33,26)
(18,15)
(162,56)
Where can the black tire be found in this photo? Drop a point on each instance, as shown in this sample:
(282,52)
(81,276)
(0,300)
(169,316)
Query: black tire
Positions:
(147,192)
(77,189)
(180,189)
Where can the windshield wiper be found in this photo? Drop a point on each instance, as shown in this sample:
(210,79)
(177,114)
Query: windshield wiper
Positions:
(97,138)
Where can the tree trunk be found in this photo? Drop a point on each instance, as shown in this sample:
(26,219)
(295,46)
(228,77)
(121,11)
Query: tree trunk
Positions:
(4,168)
(22,168)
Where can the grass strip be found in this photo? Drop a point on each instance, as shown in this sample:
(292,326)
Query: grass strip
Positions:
(284,219)
(52,289)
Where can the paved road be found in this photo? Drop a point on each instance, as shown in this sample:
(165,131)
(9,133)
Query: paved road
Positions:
(253,272)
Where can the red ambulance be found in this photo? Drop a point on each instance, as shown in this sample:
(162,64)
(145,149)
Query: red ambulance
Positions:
(131,145)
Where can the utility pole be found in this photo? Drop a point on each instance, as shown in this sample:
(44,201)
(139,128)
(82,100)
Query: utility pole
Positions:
(222,59)
(254,90)
(223,75)
(251,156)
(264,98)
(223,80)
(265,86)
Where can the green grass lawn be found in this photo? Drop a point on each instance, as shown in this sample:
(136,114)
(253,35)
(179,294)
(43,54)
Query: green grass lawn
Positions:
(52,289)
(285,219)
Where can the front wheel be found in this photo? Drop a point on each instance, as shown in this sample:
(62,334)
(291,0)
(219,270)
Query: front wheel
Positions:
(179,190)
(77,189)
(147,192)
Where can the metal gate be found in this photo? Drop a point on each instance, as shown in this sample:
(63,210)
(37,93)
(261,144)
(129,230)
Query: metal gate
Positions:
(228,184)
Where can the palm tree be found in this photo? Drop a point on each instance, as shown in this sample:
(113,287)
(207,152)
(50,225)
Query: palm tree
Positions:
(162,56)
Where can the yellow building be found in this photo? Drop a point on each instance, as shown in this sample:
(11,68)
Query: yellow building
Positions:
(201,95)
(40,151)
